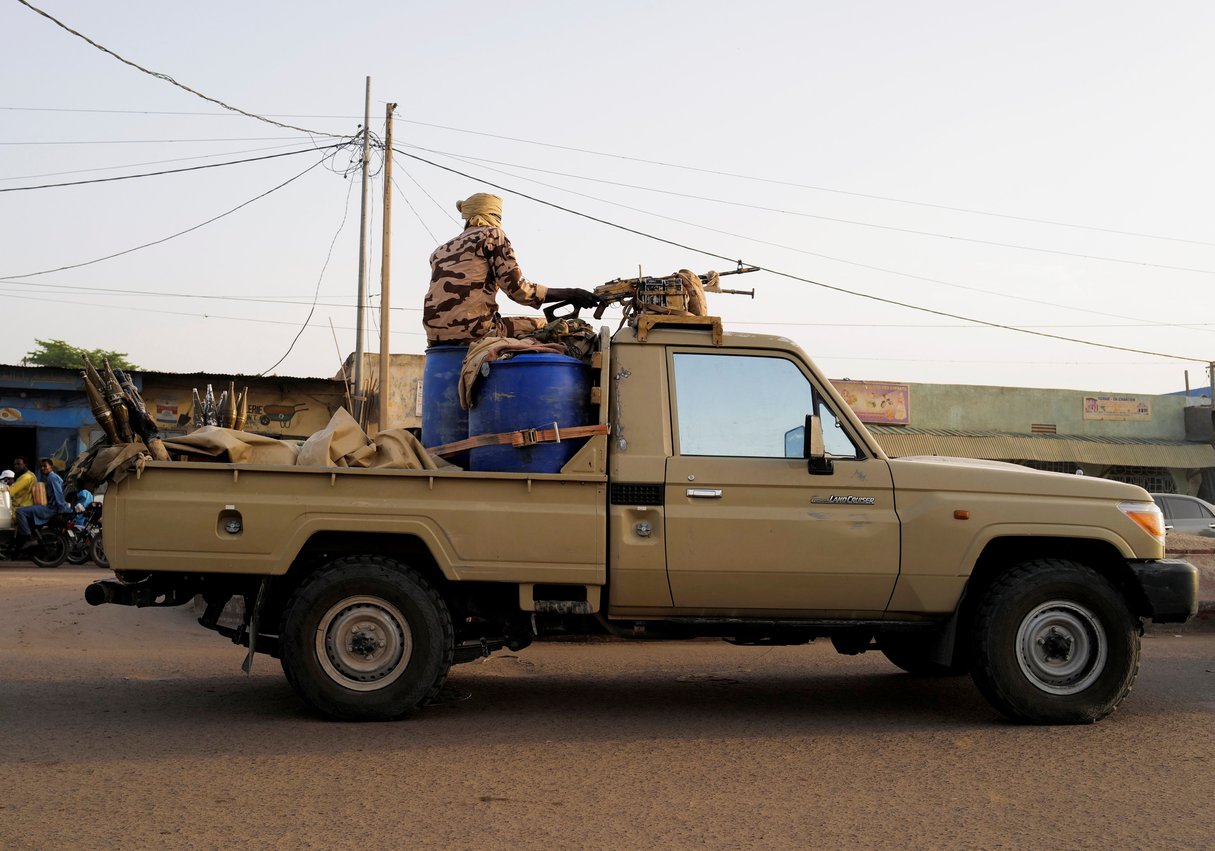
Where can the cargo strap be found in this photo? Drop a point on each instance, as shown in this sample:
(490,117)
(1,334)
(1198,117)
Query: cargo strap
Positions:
(521,438)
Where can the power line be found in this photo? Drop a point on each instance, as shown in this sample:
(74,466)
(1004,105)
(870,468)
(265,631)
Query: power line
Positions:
(837,220)
(818,254)
(171,236)
(316,293)
(152,141)
(160,76)
(146,163)
(812,282)
(173,170)
(413,210)
(164,312)
(681,166)
(870,196)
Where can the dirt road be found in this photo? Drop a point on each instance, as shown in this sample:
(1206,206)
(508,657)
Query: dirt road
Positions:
(135,729)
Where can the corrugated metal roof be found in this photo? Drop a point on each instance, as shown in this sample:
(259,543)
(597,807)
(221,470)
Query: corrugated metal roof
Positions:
(998,446)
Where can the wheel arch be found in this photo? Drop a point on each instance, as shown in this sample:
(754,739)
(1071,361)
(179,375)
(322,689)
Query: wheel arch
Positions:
(1004,553)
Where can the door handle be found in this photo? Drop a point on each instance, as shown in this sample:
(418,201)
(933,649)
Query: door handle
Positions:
(704,493)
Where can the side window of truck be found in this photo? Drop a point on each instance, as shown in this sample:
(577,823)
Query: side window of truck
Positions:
(748,406)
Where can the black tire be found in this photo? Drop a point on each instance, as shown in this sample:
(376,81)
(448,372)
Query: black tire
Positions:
(912,653)
(77,552)
(97,551)
(331,627)
(51,549)
(1055,643)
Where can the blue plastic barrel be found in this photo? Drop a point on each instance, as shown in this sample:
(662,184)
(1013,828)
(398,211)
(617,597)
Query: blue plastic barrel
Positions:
(443,420)
(530,391)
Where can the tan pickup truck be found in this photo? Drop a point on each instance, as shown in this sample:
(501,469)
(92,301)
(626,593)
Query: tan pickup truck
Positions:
(735,496)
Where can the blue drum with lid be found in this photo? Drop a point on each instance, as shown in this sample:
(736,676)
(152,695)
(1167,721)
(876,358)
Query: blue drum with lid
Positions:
(530,391)
(443,420)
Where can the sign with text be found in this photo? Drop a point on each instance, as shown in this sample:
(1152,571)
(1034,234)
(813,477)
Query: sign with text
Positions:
(1117,408)
(877,402)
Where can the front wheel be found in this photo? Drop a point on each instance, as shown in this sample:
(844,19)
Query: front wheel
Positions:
(77,551)
(366,638)
(1055,644)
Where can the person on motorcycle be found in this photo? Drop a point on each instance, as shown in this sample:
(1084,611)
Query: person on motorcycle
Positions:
(22,488)
(84,499)
(31,517)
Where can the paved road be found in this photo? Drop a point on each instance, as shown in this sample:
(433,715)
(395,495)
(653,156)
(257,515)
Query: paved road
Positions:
(135,729)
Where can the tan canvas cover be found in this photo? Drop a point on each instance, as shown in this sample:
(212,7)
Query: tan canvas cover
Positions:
(237,447)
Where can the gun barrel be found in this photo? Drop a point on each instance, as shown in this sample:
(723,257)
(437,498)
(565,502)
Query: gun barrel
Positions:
(739,292)
(741,270)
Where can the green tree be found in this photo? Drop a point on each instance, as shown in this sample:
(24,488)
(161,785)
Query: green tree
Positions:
(63,354)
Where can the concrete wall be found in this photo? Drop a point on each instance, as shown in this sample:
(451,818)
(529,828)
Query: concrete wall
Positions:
(278,407)
(1016,409)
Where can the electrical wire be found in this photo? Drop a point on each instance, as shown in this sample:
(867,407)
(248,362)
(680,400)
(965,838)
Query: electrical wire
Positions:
(152,141)
(426,192)
(873,197)
(171,236)
(821,256)
(316,294)
(147,163)
(174,170)
(413,210)
(164,312)
(716,172)
(160,76)
(802,279)
(853,222)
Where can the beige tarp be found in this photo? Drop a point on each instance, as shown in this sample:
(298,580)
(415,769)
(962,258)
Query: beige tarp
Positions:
(342,443)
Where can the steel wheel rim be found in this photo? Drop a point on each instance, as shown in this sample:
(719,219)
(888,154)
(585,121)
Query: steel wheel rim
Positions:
(1061,647)
(364,643)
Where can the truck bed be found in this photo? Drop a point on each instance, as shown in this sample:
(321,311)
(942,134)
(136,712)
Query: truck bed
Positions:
(256,520)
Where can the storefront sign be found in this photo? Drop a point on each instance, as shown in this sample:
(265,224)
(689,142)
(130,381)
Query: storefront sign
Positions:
(1117,408)
(876,402)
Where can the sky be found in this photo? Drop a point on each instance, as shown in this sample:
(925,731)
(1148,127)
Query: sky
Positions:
(910,174)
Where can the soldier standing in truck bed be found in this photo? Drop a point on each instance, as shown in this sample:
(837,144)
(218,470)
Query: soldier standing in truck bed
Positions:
(466,274)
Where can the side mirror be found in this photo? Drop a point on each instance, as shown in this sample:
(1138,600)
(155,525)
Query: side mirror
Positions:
(817,462)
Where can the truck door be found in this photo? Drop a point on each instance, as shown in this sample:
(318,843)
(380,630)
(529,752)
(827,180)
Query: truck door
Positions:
(748,528)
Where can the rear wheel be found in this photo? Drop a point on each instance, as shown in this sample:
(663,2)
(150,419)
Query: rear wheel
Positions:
(1055,644)
(366,639)
(51,549)
(98,552)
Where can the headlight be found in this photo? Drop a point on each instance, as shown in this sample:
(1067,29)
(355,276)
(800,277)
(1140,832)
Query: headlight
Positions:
(1147,515)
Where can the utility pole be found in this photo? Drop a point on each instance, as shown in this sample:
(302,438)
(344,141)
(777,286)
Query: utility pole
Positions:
(358,333)
(385,348)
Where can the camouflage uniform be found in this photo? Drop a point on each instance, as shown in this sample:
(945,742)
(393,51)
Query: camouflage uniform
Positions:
(466,273)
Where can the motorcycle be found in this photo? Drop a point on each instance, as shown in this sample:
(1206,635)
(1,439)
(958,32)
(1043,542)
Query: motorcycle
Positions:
(84,539)
(50,543)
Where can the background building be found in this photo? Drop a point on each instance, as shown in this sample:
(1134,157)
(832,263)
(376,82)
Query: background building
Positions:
(1156,442)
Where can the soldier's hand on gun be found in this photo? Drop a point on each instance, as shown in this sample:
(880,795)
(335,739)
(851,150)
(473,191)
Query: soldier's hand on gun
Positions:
(574,295)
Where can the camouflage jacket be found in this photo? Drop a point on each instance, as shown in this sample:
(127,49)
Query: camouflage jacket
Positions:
(466,273)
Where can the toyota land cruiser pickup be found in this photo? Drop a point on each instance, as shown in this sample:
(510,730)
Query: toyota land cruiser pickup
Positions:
(734,495)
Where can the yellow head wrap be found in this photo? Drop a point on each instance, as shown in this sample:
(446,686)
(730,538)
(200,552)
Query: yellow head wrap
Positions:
(481,210)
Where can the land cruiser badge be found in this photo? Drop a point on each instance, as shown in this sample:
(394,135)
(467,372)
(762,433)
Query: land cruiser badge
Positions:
(842,500)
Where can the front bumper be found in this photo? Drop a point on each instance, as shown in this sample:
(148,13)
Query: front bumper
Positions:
(1170,587)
